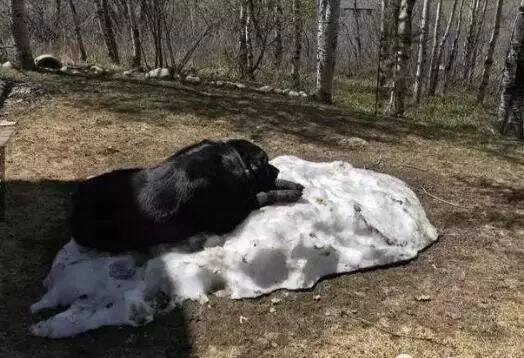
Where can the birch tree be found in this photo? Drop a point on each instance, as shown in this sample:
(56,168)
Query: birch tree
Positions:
(513,79)
(422,50)
(24,55)
(78,31)
(247,34)
(356,15)
(388,40)
(398,93)
(297,43)
(279,48)
(453,52)
(488,63)
(470,38)
(106,27)
(433,66)
(473,59)
(327,33)
(433,81)
(135,33)
(242,53)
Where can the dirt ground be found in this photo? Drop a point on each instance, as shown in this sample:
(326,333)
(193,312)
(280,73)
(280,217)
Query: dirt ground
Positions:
(472,277)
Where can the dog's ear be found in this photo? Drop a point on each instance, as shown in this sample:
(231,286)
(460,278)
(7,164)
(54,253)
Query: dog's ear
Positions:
(251,153)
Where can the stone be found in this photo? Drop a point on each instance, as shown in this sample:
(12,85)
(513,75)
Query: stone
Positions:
(48,61)
(97,70)
(265,89)
(293,93)
(193,80)
(8,65)
(354,142)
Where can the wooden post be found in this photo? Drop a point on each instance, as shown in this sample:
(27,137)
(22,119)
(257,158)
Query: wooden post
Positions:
(2,184)
(6,130)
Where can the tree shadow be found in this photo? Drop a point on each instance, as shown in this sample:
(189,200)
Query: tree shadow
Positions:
(36,228)
(250,112)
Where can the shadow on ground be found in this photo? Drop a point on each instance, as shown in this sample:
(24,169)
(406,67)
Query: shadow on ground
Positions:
(35,229)
(251,112)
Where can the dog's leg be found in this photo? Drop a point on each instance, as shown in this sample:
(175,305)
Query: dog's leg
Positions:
(278,196)
(282,184)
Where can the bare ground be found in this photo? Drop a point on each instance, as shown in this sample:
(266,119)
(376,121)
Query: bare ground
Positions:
(472,276)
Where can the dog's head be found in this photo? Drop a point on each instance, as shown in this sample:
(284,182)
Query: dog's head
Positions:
(257,162)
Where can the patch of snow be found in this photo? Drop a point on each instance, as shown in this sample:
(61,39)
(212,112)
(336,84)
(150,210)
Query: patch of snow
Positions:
(159,73)
(348,219)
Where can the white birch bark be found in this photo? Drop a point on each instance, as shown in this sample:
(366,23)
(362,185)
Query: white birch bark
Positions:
(327,33)
(433,66)
(398,93)
(488,63)
(514,63)
(433,81)
(453,52)
(422,50)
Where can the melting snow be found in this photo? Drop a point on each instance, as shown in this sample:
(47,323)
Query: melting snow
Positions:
(348,219)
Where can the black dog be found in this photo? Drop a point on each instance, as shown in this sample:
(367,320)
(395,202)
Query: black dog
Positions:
(208,187)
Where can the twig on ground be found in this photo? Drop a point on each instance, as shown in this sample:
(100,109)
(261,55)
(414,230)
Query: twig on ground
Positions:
(400,335)
(413,167)
(440,199)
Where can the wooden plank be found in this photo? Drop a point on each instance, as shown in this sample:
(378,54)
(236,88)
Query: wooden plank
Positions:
(2,184)
(6,131)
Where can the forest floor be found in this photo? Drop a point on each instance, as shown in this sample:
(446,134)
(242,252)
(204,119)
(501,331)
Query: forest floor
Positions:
(471,278)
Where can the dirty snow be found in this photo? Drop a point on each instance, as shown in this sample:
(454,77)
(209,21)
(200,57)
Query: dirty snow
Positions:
(348,219)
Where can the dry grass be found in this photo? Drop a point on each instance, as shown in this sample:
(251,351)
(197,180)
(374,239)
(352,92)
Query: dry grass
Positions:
(472,275)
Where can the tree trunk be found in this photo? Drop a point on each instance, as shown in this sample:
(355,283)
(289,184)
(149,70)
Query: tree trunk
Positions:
(249,40)
(513,79)
(24,56)
(279,49)
(468,45)
(78,31)
(453,52)
(488,63)
(398,93)
(433,66)
(58,13)
(107,30)
(433,81)
(297,43)
(388,40)
(358,39)
(135,34)
(242,53)
(422,51)
(327,33)
(480,24)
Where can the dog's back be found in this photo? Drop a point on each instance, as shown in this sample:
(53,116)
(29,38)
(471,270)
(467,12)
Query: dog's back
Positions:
(106,214)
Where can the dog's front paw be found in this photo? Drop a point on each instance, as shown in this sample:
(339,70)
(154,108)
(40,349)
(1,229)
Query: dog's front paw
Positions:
(282,184)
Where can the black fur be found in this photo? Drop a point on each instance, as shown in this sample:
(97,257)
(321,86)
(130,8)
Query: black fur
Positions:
(207,187)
